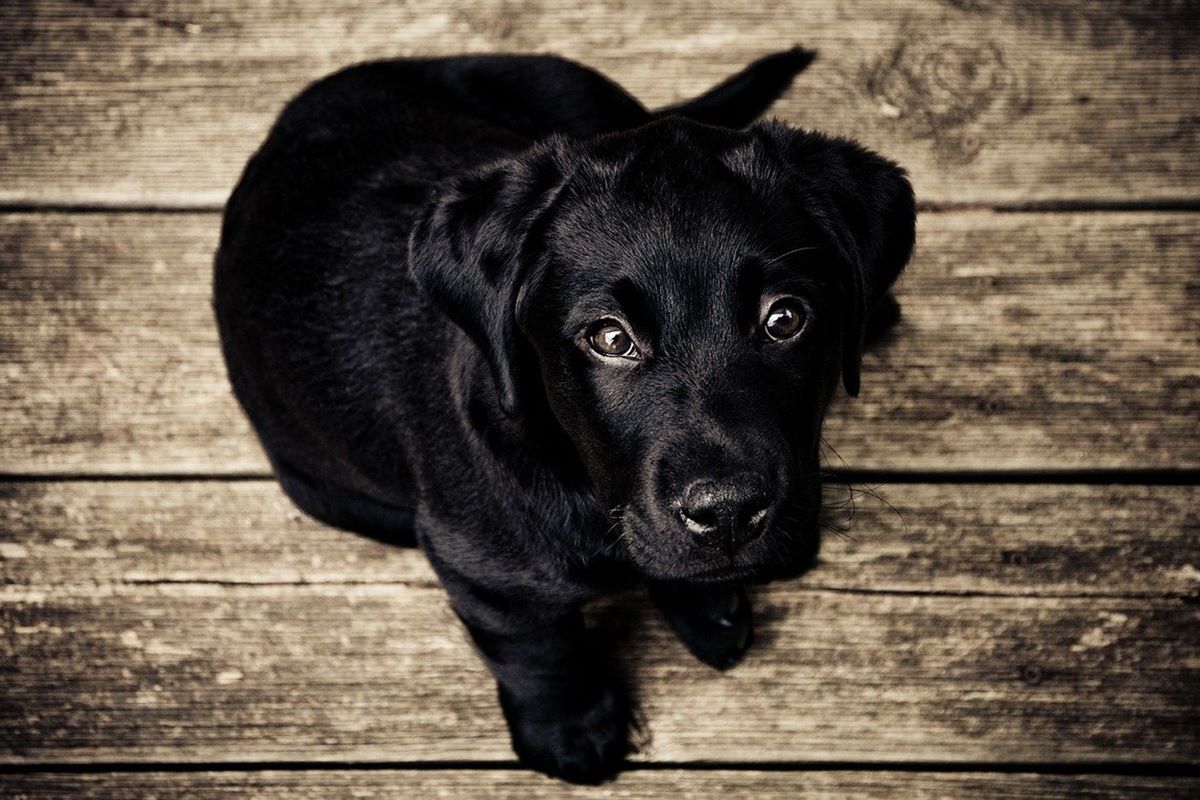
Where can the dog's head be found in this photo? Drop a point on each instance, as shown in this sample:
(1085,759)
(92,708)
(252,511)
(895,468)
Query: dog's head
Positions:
(692,295)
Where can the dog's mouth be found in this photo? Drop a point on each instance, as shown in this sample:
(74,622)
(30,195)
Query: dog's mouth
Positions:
(732,574)
(787,546)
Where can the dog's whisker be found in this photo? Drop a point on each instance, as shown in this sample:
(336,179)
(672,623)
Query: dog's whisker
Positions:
(849,503)
(825,443)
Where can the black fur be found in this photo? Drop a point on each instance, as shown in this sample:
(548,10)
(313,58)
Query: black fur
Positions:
(407,274)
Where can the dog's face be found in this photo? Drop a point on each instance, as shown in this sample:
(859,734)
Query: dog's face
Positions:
(692,296)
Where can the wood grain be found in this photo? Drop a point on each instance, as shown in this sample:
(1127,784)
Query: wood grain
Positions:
(639,785)
(1018,540)
(207,625)
(985,102)
(1030,341)
(207,673)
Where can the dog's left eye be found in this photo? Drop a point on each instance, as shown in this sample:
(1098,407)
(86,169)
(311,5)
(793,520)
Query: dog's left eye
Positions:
(608,338)
(785,319)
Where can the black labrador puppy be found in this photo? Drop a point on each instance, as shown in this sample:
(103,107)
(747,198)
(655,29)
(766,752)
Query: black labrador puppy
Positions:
(494,307)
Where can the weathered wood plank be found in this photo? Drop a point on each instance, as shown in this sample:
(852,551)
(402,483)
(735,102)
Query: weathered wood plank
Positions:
(203,672)
(985,102)
(639,785)
(1115,541)
(1030,341)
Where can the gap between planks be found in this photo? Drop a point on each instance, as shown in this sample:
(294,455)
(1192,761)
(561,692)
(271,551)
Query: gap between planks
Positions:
(1057,206)
(1049,477)
(685,782)
(1098,767)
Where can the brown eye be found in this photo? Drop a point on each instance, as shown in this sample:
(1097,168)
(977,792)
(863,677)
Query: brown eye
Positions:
(609,339)
(785,318)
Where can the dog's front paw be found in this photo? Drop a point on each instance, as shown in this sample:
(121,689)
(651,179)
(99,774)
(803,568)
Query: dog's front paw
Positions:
(580,735)
(716,626)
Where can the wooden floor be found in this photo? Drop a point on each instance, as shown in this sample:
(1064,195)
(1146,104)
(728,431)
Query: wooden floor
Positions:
(1025,622)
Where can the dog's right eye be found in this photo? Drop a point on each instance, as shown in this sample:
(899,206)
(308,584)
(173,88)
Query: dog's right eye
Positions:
(609,339)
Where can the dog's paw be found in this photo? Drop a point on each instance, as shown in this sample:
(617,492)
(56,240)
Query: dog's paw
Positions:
(582,737)
(717,628)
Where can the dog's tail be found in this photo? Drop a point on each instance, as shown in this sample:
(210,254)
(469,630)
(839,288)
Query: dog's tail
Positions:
(741,98)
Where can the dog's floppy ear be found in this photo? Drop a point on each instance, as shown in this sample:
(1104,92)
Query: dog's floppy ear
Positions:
(864,206)
(474,246)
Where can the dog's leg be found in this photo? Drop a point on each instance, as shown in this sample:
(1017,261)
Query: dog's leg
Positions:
(714,622)
(740,99)
(344,509)
(568,714)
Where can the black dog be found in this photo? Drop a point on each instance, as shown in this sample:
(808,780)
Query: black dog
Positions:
(495,307)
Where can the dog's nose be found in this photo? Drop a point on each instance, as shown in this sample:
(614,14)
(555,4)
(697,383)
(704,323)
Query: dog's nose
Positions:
(726,512)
